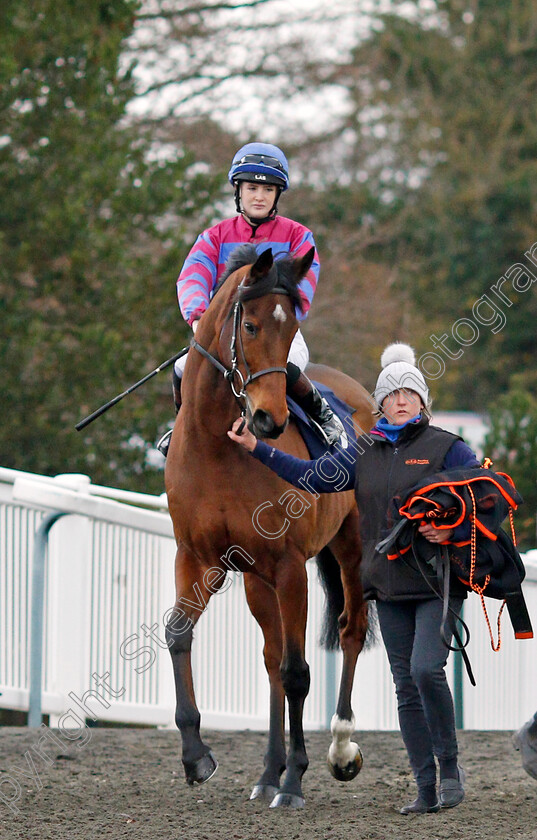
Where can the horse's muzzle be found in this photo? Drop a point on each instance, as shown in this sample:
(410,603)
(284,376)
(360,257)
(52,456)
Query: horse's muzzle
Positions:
(262,425)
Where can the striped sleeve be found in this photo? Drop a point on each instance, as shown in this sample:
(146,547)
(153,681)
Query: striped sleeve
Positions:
(300,245)
(198,277)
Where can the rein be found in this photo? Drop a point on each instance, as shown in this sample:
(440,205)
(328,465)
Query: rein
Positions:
(233,375)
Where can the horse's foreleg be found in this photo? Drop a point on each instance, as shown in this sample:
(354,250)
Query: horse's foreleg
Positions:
(292,591)
(344,756)
(264,607)
(192,597)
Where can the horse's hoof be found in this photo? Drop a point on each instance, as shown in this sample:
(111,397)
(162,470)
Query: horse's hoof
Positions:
(264,792)
(348,771)
(200,771)
(287,800)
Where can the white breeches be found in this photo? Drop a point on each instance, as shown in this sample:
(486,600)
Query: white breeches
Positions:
(298,354)
(298,351)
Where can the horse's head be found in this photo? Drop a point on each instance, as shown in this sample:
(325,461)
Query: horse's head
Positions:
(256,335)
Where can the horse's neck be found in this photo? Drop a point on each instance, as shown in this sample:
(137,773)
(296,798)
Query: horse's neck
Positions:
(208,404)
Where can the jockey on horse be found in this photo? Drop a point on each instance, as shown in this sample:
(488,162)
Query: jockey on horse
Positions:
(258,174)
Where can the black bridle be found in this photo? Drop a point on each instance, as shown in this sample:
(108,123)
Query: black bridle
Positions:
(233,375)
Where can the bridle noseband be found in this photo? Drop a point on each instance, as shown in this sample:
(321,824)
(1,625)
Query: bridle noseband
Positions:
(233,375)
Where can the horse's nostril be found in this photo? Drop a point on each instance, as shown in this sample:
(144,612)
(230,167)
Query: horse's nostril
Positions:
(264,425)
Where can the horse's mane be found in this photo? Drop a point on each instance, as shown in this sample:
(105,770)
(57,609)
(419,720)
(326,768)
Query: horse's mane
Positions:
(282,274)
(242,255)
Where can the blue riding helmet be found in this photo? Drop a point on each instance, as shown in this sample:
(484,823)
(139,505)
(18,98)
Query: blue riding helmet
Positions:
(260,163)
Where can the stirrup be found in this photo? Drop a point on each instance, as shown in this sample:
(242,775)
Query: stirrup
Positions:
(164,443)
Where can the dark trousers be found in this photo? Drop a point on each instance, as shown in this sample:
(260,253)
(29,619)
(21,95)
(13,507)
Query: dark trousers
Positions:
(417,656)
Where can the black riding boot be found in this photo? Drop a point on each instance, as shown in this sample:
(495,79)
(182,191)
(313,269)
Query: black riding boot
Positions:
(304,392)
(164,443)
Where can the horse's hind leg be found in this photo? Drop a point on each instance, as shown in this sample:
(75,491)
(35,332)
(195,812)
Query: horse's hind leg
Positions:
(264,606)
(192,597)
(344,756)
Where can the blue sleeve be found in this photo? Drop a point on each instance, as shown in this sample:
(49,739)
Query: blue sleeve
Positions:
(327,474)
(460,455)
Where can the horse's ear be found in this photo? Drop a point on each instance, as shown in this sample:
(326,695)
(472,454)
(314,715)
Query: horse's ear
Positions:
(262,266)
(302,265)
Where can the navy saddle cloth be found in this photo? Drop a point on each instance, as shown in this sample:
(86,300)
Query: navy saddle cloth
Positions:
(316,446)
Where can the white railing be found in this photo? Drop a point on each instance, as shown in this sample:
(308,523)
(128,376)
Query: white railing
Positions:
(109,583)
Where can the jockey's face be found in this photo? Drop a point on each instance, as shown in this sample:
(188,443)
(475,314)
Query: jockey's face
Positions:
(401,406)
(257,200)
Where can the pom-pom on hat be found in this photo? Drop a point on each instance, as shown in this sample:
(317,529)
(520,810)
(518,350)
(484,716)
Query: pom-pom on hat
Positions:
(399,371)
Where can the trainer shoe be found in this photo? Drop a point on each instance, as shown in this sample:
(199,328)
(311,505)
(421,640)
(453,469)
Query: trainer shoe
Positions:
(420,806)
(452,791)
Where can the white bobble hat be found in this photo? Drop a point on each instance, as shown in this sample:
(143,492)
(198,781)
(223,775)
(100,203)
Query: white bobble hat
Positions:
(399,371)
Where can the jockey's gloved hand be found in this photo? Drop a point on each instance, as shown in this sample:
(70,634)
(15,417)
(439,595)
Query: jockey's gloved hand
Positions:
(195,326)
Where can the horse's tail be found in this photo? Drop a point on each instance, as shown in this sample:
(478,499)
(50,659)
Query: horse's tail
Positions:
(330,577)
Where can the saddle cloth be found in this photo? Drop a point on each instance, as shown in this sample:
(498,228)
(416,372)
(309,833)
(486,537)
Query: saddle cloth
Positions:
(311,437)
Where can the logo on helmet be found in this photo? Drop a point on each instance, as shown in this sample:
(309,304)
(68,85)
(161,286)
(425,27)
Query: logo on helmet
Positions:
(258,177)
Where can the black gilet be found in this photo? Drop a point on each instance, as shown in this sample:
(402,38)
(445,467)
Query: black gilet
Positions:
(384,471)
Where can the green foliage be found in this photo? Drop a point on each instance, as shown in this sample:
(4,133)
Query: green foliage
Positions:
(452,137)
(420,198)
(512,445)
(92,222)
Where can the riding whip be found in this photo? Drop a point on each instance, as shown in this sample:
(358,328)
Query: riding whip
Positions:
(87,420)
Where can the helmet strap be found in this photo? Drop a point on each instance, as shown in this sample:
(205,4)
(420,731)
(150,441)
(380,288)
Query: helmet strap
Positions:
(238,196)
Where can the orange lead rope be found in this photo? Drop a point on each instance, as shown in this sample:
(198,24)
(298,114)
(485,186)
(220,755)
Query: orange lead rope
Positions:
(512,524)
(480,589)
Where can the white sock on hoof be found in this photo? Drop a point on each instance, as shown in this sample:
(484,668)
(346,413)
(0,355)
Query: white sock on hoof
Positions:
(342,750)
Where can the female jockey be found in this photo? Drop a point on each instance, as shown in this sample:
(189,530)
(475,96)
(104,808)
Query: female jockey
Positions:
(258,174)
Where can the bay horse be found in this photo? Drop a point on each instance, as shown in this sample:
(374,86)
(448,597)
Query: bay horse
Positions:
(238,359)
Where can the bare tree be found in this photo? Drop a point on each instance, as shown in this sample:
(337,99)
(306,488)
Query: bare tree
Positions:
(257,65)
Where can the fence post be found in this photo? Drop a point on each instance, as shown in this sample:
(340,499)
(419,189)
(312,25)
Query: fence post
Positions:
(37,609)
(458,685)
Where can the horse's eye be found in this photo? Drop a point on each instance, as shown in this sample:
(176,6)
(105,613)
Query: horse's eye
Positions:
(249,328)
